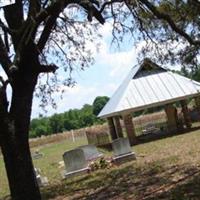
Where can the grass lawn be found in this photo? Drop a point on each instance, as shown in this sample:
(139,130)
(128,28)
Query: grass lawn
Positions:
(165,169)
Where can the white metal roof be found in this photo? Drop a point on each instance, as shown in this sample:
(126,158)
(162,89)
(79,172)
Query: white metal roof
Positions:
(146,86)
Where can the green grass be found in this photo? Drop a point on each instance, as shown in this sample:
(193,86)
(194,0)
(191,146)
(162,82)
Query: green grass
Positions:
(3,179)
(48,163)
(167,169)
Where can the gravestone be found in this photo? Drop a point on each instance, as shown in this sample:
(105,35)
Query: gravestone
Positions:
(42,181)
(122,151)
(75,163)
(91,152)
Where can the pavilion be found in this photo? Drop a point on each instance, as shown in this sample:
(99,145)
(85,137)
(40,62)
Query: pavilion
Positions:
(149,85)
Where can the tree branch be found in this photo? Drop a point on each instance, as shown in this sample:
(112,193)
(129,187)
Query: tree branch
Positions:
(3,98)
(4,58)
(47,29)
(169,20)
(92,11)
(45,13)
(195,2)
(3,82)
(34,8)
(5,28)
(48,68)
(14,17)
(107,3)
(52,12)
(44,3)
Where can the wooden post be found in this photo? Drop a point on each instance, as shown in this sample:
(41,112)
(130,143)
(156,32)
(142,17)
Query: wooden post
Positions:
(73,138)
(186,116)
(111,126)
(197,102)
(172,118)
(118,126)
(130,128)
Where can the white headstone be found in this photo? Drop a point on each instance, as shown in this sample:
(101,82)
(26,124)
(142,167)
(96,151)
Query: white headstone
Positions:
(74,160)
(90,151)
(121,146)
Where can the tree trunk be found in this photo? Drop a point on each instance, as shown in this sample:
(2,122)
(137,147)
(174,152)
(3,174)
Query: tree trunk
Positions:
(14,139)
(20,171)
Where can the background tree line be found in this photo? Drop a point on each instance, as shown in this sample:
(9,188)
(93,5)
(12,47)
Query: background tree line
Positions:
(72,119)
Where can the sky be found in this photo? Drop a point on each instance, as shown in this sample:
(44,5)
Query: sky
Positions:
(101,79)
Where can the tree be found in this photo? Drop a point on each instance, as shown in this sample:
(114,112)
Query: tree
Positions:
(170,30)
(39,127)
(87,117)
(99,103)
(34,31)
(56,123)
(29,36)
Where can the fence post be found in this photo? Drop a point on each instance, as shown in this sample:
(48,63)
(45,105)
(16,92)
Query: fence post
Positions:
(73,138)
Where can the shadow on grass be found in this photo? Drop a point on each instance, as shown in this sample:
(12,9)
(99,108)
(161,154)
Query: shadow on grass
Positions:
(153,181)
(162,135)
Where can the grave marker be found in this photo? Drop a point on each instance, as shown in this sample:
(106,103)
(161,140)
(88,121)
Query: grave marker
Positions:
(90,151)
(75,163)
(122,151)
